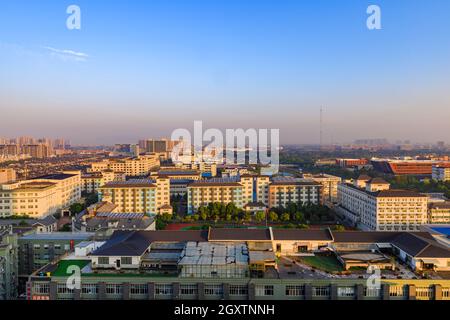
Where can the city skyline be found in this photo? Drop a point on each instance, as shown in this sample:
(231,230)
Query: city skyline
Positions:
(144,70)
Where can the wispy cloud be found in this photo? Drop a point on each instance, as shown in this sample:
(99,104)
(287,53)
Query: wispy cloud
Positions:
(67,55)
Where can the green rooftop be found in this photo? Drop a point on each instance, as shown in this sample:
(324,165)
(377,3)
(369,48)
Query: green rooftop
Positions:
(63,266)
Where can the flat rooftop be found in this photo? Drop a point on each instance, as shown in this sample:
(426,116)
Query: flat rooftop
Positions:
(58,236)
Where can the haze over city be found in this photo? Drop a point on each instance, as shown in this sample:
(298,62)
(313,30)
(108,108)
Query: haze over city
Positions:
(144,69)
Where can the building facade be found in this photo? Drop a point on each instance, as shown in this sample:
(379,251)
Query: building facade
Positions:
(372,205)
(137,166)
(138,195)
(40,197)
(92,181)
(441,173)
(8,265)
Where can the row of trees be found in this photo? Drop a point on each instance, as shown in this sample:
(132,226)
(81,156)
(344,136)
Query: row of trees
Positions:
(231,213)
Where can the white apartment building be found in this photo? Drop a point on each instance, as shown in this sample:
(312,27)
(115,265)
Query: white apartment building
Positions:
(372,205)
(38,198)
(441,173)
(138,166)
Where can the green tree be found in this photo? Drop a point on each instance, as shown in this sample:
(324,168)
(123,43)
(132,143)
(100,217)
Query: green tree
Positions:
(76,208)
(285,217)
(273,216)
(260,216)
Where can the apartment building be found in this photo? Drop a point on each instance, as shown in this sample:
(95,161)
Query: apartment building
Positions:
(92,181)
(202,192)
(68,185)
(150,196)
(206,169)
(439,212)
(441,172)
(329,186)
(7,175)
(285,190)
(40,197)
(250,189)
(372,205)
(138,166)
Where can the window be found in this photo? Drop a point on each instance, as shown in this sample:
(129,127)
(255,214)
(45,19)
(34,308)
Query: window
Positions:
(397,291)
(189,289)
(424,292)
(139,288)
(372,292)
(238,290)
(164,289)
(114,289)
(321,291)
(126,260)
(346,291)
(262,290)
(213,289)
(62,288)
(41,288)
(103,260)
(295,291)
(89,288)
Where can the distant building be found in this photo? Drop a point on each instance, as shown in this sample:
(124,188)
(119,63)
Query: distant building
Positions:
(7,175)
(139,166)
(346,163)
(372,205)
(441,172)
(406,167)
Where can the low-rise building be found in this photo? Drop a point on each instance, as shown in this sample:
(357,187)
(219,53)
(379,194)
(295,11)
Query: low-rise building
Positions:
(38,249)
(240,264)
(48,224)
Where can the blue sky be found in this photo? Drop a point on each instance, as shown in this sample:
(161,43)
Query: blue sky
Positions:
(148,68)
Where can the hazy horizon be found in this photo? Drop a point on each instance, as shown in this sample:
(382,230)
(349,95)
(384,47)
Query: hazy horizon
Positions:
(139,70)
